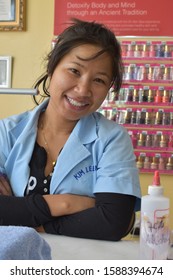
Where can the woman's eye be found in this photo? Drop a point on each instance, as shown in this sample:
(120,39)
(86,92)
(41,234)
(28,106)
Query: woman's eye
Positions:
(75,71)
(98,80)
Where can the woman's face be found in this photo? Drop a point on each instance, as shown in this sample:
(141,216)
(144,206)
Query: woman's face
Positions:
(77,87)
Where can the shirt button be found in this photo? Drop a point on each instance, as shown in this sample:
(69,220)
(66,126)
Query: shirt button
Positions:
(45,181)
(45,190)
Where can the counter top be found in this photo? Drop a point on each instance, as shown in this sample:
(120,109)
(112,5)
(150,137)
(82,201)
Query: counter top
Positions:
(70,248)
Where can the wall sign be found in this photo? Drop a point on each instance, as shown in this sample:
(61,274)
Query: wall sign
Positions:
(125,18)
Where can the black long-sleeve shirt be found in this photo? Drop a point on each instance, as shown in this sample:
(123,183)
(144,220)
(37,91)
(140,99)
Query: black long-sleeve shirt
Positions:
(108,220)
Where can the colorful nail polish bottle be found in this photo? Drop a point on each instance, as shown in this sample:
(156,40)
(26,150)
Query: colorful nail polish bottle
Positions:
(147,118)
(133,118)
(165,98)
(137,52)
(170,142)
(154,163)
(139,163)
(162,164)
(124,50)
(163,141)
(156,140)
(158,118)
(148,140)
(152,52)
(166,74)
(147,163)
(134,140)
(130,51)
(167,51)
(135,96)
(169,165)
(145,52)
(150,96)
(141,140)
(158,96)
(171,118)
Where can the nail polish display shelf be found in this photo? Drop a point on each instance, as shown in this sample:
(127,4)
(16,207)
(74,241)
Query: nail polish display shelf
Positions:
(144,105)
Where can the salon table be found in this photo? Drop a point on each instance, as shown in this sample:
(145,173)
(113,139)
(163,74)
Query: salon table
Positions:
(70,248)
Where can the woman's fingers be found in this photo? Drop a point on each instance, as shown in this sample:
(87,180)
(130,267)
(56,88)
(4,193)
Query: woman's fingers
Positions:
(5,188)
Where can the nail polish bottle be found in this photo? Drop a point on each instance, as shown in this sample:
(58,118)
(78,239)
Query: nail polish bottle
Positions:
(126,73)
(141,140)
(147,118)
(148,141)
(162,164)
(156,140)
(124,50)
(171,118)
(171,73)
(169,165)
(141,95)
(154,163)
(158,97)
(140,73)
(129,50)
(144,75)
(133,118)
(167,51)
(134,140)
(138,117)
(145,52)
(143,116)
(147,163)
(171,96)
(145,94)
(170,142)
(165,119)
(139,163)
(165,98)
(163,141)
(150,96)
(152,52)
(166,74)
(159,52)
(137,52)
(163,73)
(127,117)
(158,118)
(135,96)
(150,73)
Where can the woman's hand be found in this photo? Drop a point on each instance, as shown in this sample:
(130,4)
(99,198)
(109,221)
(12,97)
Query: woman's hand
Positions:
(5,188)
(66,204)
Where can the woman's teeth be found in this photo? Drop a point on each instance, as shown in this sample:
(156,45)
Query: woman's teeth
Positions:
(75,103)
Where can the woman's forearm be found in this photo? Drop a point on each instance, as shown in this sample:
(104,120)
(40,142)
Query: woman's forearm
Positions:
(65,204)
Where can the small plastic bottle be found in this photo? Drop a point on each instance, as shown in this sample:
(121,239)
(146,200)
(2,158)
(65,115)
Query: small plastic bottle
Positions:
(154,229)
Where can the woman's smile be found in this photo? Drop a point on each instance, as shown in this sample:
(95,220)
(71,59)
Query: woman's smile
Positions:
(79,105)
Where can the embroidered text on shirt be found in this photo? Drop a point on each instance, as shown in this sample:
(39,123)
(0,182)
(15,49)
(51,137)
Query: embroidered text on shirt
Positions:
(87,169)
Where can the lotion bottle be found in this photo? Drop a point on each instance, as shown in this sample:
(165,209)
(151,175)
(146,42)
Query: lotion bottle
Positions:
(154,228)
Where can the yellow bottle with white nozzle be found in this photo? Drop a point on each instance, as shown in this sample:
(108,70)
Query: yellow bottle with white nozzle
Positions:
(154,228)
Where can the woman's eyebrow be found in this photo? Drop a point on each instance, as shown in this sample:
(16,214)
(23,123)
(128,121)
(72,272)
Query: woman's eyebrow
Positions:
(79,64)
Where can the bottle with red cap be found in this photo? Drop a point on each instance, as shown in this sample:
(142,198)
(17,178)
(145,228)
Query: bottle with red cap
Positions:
(154,227)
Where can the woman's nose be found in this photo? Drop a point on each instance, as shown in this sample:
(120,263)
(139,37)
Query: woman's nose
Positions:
(83,88)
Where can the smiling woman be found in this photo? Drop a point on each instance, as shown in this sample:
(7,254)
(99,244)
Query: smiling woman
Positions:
(67,169)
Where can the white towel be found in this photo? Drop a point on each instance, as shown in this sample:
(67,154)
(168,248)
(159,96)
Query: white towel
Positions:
(22,243)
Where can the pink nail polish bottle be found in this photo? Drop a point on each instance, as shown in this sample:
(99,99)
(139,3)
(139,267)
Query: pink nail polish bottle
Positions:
(152,52)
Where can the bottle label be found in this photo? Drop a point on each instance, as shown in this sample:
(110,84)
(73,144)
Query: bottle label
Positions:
(154,236)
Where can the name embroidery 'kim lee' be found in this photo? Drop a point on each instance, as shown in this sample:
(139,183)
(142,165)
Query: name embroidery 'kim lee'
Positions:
(80,173)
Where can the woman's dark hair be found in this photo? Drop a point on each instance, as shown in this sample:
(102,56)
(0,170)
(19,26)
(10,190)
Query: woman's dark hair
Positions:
(79,33)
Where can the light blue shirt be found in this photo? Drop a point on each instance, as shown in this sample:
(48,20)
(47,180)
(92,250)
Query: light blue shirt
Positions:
(97,157)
